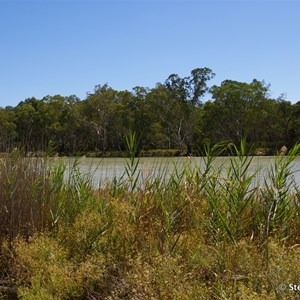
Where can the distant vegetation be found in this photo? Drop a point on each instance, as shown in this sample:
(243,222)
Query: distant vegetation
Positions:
(170,116)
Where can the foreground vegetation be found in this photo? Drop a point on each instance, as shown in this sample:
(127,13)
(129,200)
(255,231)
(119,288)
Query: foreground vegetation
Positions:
(198,235)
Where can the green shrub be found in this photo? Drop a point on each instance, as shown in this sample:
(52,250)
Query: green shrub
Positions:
(202,233)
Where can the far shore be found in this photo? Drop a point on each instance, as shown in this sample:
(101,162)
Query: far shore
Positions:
(142,153)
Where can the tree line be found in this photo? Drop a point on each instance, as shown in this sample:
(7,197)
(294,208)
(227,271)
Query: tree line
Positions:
(171,115)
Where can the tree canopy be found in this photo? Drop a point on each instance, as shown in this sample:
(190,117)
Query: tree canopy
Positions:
(171,115)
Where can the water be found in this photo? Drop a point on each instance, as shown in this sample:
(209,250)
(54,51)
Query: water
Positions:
(103,170)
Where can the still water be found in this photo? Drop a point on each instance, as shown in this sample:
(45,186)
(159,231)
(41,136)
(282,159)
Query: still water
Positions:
(103,170)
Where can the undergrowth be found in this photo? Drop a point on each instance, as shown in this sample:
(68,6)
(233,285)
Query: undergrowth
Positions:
(201,233)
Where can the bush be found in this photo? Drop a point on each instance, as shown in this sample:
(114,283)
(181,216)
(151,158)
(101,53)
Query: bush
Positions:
(198,234)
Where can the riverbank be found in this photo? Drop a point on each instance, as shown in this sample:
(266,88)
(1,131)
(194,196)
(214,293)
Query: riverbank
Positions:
(143,153)
(198,235)
(171,153)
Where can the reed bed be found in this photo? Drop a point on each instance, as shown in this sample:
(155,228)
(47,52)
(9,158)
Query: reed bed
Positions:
(200,233)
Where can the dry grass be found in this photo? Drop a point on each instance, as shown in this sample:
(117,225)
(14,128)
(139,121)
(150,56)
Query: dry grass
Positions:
(197,236)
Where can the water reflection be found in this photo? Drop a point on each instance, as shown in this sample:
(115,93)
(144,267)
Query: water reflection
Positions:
(103,170)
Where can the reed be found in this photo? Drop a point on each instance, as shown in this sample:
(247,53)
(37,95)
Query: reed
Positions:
(232,197)
(203,232)
(25,196)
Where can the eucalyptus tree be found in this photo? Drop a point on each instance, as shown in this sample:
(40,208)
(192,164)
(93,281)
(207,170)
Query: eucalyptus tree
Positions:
(100,109)
(163,112)
(294,129)
(285,117)
(7,129)
(65,129)
(32,120)
(237,109)
(177,101)
(137,115)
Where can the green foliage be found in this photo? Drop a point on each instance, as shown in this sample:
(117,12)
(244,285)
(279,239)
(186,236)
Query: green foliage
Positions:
(132,163)
(279,203)
(204,232)
(35,195)
(170,115)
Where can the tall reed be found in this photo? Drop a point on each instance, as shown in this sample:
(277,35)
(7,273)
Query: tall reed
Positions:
(25,195)
(278,197)
(35,195)
(193,234)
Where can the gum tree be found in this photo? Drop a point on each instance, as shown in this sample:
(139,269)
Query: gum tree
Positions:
(177,101)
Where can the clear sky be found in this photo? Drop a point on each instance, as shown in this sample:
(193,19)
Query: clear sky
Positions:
(67,47)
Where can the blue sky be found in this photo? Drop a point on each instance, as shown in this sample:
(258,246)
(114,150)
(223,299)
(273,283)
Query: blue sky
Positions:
(67,47)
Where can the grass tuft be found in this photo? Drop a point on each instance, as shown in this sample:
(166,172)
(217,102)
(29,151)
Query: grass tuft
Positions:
(203,232)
